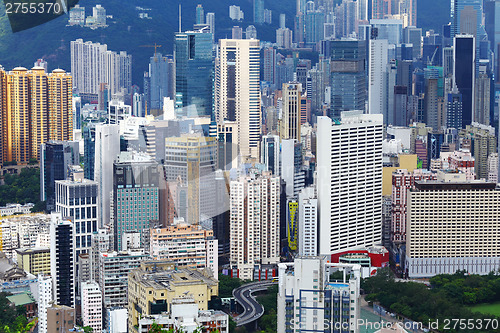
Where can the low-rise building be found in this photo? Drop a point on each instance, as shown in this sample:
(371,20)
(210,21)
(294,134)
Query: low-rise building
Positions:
(11,209)
(153,286)
(34,260)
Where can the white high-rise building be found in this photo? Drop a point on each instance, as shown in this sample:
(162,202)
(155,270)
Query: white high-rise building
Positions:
(107,148)
(210,19)
(308,222)
(254,224)
(349,165)
(291,112)
(92,305)
(377,68)
(62,269)
(45,299)
(238,67)
(309,300)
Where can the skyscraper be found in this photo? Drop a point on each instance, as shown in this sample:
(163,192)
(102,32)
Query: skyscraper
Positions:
(210,21)
(454,109)
(255,229)
(161,72)
(62,269)
(291,167)
(290,115)
(107,148)
(350,174)
(194,72)
(200,15)
(237,91)
(135,195)
(376,74)
(270,153)
(270,65)
(45,298)
(308,222)
(348,76)
(464,69)
(258,11)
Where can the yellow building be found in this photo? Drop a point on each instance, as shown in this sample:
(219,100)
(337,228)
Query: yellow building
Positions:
(34,107)
(153,286)
(34,260)
(408,162)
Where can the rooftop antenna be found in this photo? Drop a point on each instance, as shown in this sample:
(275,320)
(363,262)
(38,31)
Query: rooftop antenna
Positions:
(180,18)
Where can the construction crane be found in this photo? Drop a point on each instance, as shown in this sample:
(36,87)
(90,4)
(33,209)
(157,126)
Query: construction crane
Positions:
(155,46)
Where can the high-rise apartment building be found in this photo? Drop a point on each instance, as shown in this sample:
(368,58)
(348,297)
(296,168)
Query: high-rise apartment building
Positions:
(135,195)
(113,269)
(194,72)
(349,164)
(36,108)
(309,300)
(237,91)
(255,216)
(93,64)
(92,306)
(308,222)
(186,246)
(377,68)
(290,114)
(62,269)
(442,241)
(464,69)
(45,298)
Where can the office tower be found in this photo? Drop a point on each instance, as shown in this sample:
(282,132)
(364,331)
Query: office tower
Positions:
(282,21)
(284,38)
(251,32)
(431,103)
(258,11)
(77,199)
(291,166)
(186,246)
(454,109)
(313,27)
(350,198)
(158,283)
(376,73)
(138,105)
(55,158)
(62,260)
(290,114)
(77,112)
(237,91)
(464,70)
(317,81)
(45,298)
(93,64)
(466,18)
(92,305)
(492,25)
(107,148)
(254,230)
(227,149)
(89,152)
(235,13)
(60,318)
(270,65)
(482,98)
(347,78)
(194,72)
(413,35)
(475,213)
(270,153)
(309,301)
(435,140)
(388,29)
(160,82)
(448,61)
(402,181)
(308,222)
(210,21)
(113,269)
(135,195)
(191,179)
(200,15)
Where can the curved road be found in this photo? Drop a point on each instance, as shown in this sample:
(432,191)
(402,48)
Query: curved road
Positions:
(252,310)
